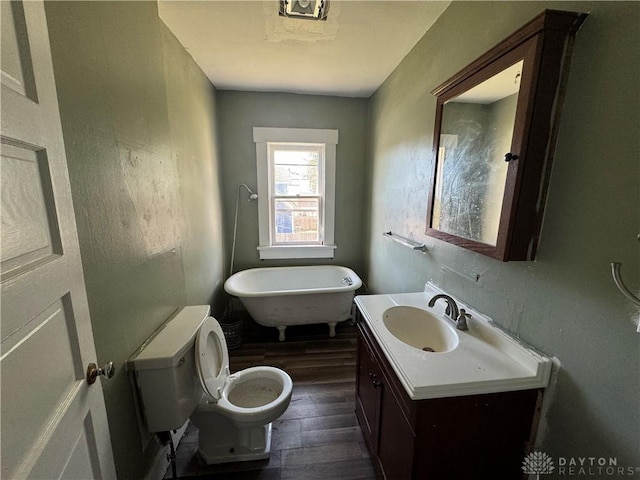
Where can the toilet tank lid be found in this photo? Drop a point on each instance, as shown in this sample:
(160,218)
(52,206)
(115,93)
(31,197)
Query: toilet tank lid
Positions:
(169,343)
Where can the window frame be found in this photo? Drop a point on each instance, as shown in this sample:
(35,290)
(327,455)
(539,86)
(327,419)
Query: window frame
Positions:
(267,248)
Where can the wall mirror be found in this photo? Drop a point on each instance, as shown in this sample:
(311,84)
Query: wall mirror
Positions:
(496,122)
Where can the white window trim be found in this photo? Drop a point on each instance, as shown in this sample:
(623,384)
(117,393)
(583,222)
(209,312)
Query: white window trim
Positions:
(264,135)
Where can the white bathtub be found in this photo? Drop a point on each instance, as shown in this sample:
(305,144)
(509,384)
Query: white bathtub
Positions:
(282,296)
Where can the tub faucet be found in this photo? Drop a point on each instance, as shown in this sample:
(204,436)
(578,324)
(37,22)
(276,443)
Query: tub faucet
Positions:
(459,316)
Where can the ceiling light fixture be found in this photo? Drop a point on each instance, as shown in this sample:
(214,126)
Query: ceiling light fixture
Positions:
(310,9)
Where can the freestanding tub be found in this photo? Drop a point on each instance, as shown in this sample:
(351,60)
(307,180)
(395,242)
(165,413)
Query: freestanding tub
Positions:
(282,296)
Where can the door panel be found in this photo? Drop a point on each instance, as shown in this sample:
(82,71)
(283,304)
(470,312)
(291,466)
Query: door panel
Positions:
(53,423)
(80,463)
(42,388)
(16,65)
(30,233)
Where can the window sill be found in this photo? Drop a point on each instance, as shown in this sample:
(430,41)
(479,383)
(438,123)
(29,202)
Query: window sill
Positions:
(296,251)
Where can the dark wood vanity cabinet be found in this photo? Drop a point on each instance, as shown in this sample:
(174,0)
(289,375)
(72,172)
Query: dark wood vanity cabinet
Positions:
(468,437)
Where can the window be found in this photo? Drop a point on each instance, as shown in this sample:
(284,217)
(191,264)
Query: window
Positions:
(296,180)
(296,192)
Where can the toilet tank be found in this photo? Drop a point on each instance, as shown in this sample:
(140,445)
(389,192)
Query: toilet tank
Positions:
(165,371)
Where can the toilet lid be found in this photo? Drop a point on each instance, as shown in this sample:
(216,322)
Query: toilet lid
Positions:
(212,358)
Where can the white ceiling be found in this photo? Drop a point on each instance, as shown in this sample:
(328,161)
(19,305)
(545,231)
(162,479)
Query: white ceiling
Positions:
(501,85)
(246,45)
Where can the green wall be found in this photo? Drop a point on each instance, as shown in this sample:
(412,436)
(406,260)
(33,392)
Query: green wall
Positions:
(141,140)
(239,112)
(564,303)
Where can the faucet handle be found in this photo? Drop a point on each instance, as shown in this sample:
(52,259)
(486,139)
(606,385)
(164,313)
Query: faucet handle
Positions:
(461,323)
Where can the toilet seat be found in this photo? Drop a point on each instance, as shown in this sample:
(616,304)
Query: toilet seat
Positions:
(212,358)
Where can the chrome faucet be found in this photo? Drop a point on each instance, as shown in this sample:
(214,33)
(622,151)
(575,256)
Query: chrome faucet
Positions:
(459,316)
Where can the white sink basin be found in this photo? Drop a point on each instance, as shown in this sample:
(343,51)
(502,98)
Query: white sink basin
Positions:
(482,359)
(420,329)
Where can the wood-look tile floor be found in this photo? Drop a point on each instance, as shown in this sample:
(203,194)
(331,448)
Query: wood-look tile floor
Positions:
(318,437)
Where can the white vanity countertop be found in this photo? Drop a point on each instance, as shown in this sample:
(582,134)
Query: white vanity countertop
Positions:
(486,360)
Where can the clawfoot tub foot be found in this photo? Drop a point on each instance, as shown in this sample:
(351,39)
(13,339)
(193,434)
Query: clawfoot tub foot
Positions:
(281,333)
(332,329)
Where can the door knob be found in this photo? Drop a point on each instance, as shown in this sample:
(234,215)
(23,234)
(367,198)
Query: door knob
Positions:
(93,371)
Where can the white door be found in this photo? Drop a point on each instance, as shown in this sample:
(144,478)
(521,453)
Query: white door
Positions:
(53,424)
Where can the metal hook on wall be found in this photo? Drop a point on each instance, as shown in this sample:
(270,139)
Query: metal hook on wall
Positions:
(615,271)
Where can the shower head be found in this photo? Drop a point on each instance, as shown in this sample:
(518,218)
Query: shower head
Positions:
(252,194)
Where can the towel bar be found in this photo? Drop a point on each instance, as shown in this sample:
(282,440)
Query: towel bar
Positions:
(406,242)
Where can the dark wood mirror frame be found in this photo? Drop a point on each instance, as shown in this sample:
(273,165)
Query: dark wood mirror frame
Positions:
(545,44)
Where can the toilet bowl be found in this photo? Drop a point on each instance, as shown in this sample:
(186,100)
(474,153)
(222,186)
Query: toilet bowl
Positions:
(182,372)
(254,396)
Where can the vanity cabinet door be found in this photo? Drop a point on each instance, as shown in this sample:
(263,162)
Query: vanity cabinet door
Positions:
(368,393)
(395,449)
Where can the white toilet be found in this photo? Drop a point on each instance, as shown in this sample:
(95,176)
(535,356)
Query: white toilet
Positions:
(182,372)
